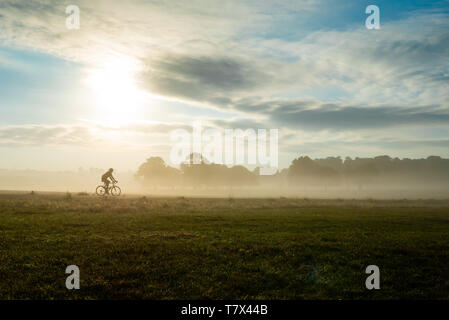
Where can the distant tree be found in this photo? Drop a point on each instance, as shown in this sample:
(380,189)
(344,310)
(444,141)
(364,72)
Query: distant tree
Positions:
(307,172)
(335,163)
(361,171)
(202,173)
(240,176)
(154,172)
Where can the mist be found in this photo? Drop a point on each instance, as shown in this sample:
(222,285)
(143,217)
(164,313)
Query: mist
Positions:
(380,177)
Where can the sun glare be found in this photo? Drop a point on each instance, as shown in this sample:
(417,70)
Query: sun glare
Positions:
(116,97)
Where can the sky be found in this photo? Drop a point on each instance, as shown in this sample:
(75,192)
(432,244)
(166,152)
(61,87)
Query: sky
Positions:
(110,93)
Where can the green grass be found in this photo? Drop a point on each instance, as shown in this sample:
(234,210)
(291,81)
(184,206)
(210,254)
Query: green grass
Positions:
(176,248)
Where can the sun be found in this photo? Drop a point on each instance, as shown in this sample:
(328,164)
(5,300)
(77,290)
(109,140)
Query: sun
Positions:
(115,95)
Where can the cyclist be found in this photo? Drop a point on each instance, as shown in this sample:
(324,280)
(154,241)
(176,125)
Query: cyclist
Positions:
(106,177)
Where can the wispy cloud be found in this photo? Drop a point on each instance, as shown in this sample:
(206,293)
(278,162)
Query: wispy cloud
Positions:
(39,135)
(85,135)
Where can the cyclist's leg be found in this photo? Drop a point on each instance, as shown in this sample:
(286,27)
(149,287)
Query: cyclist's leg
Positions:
(106,183)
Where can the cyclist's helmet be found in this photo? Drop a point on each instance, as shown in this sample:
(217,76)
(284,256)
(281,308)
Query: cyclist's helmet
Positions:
(110,169)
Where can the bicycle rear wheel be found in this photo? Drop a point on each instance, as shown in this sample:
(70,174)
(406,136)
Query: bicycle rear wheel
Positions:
(100,191)
(116,191)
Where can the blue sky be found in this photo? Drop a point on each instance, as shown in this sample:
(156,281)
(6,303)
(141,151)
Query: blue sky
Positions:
(34,85)
(134,72)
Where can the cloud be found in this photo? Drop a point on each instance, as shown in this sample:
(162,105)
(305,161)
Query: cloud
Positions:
(135,28)
(335,117)
(41,135)
(86,135)
(315,116)
(204,79)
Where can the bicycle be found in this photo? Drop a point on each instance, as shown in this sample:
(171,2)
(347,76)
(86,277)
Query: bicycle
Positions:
(113,189)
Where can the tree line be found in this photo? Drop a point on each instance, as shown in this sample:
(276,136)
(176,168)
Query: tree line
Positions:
(302,172)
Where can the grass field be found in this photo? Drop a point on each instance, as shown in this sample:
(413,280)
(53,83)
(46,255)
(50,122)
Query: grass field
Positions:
(185,248)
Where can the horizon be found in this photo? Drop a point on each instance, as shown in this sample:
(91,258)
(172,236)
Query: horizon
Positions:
(343,158)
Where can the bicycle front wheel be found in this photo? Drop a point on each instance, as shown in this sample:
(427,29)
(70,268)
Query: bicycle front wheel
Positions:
(100,191)
(116,191)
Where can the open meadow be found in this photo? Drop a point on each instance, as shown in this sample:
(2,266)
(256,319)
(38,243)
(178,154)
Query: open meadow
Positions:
(229,248)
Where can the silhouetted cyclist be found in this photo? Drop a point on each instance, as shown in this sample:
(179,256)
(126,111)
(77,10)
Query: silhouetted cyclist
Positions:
(106,177)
